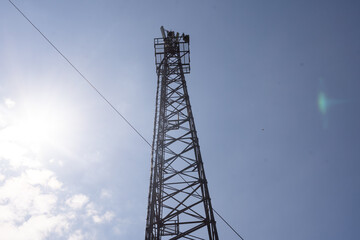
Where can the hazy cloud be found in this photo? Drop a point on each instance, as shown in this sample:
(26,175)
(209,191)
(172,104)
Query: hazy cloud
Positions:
(9,103)
(107,217)
(105,193)
(77,235)
(77,201)
(2,177)
(32,198)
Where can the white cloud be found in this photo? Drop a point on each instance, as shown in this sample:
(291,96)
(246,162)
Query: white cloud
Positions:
(96,217)
(27,212)
(19,200)
(42,177)
(7,214)
(77,201)
(90,210)
(38,176)
(107,217)
(77,235)
(3,122)
(44,203)
(59,162)
(9,103)
(36,227)
(2,177)
(54,183)
(105,194)
(17,156)
(18,195)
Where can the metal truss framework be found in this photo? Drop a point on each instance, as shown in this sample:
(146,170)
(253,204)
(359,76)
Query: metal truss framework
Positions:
(179,203)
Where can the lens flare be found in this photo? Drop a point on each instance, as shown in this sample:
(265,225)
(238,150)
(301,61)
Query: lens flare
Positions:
(323,103)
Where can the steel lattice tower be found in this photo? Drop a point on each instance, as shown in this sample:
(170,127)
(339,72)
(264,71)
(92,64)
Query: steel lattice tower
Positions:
(179,203)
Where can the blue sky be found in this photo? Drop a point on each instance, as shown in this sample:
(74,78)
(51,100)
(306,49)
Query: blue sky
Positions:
(278,165)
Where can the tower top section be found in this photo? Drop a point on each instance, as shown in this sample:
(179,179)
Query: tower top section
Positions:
(172,45)
(171,34)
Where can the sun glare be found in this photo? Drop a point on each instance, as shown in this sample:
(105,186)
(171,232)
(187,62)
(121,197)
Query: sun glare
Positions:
(36,126)
(39,126)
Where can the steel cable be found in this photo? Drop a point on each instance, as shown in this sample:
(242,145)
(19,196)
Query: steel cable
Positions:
(82,75)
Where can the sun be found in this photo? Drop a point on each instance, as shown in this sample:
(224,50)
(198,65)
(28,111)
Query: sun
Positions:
(39,126)
(36,125)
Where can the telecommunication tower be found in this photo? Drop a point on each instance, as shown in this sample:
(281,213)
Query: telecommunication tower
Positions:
(179,204)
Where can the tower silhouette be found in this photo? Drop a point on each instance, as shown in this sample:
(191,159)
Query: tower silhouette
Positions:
(179,204)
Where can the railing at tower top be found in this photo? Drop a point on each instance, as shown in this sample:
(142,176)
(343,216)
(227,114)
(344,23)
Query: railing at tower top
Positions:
(173,44)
